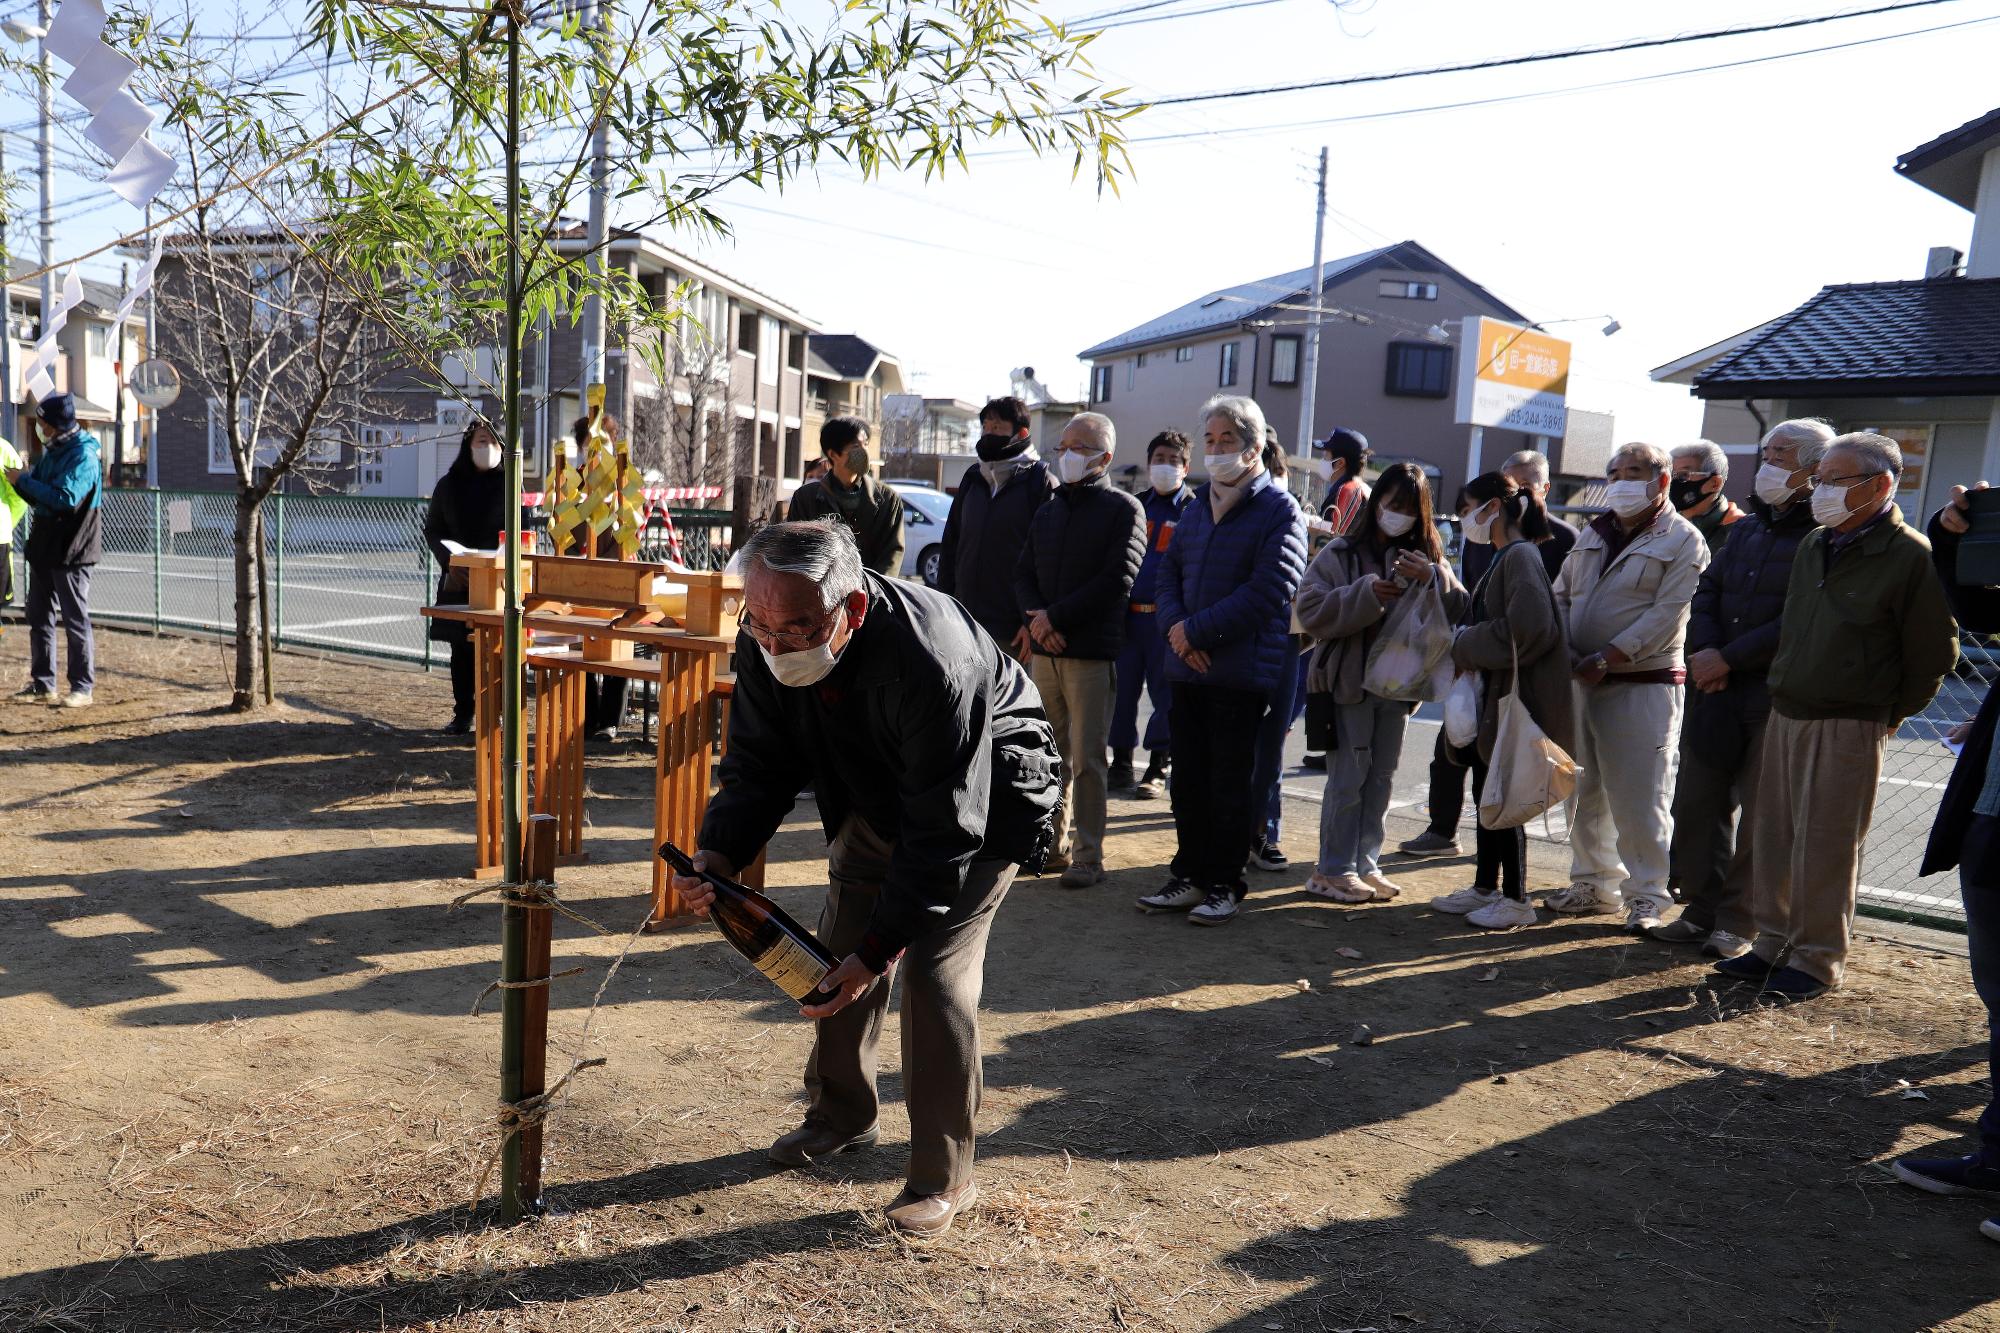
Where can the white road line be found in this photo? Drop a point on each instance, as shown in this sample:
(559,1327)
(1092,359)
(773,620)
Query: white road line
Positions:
(317,625)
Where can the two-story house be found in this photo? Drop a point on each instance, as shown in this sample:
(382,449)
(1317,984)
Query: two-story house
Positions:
(1918,359)
(87,366)
(848,376)
(1387,360)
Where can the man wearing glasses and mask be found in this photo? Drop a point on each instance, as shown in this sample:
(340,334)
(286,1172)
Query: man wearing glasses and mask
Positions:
(937,777)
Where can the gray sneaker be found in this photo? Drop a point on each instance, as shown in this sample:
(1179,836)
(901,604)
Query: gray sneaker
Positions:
(1218,909)
(1679,931)
(1177,896)
(1430,844)
(1083,875)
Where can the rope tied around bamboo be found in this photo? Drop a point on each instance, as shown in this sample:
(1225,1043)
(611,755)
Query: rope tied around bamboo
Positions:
(513,1117)
(535,895)
(532,983)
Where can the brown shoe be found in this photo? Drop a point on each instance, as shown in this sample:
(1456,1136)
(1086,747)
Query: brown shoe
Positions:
(1083,875)
(931,1214)
(810,1142)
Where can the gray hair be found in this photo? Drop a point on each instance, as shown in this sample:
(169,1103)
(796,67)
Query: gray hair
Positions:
(1100,429)
(1650,454)
(1242,414)
(821,550)
(1809,435)
(1877,453)
(1529,458)
(1713,460)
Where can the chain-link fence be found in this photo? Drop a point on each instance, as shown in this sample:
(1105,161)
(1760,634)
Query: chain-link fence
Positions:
(347,572)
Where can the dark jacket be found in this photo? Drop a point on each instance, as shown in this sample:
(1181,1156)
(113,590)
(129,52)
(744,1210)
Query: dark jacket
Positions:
(1738,610)
(983,537)
(64,486)
(925,729)
(1478,556)
(876,520)
(1232,583)
(1870,636)
(468,507)
(1514,618)
(1978,612)
(1083,550)
(1162,513)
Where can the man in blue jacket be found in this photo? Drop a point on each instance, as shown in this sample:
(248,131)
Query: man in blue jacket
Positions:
(1225,595)
(63,543)
(1142,663)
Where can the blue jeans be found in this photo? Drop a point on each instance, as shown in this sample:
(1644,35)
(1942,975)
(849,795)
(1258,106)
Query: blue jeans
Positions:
(1142,665)
(1267,783)
(1982,939)
(1360,770)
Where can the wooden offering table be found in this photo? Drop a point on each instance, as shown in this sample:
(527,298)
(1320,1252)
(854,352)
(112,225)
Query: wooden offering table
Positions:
(684,672)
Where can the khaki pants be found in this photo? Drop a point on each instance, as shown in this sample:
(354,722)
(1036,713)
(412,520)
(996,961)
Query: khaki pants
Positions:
(1818,781)
(942,974)
(1076,695)
(1628,742)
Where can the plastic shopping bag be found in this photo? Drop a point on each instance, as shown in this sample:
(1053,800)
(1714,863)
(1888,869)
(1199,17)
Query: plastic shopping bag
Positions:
(1461,710)
(1410,658)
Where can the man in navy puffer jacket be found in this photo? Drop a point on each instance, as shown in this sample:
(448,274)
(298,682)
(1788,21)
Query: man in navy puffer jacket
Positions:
(1225,596)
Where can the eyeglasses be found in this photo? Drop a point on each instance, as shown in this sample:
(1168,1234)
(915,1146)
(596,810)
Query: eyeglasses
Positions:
(1850,478)
(775,641)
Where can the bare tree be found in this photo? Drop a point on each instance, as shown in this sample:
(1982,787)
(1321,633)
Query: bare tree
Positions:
(695,438)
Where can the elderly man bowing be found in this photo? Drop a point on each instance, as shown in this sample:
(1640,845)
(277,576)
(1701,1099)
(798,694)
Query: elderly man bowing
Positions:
(937,777)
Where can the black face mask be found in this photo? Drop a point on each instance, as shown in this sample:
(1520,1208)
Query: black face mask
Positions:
(1687,491)
(992,447)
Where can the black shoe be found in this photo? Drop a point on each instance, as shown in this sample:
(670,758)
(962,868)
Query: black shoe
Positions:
(1152,785)
(1314,761)
(458,726)
(1745,967)
(1118,777)
(1269,857)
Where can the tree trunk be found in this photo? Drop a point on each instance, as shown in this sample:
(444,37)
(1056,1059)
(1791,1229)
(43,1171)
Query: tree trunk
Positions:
(243,697)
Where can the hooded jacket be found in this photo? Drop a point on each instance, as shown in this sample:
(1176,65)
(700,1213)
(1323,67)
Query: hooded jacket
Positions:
(63,488)
(1083,551)
(924,728)
(468,507)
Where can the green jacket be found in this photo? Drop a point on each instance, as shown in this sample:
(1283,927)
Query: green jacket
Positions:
(12,506)
(875,516)
(1871,638)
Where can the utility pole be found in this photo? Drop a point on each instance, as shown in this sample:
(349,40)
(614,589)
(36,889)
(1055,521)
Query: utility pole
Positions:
(1309,380)
(118,386)
(45,148)
(597,24)
(9,425)
(152,419)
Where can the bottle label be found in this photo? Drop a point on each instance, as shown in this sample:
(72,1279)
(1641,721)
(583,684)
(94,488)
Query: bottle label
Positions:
(796,972)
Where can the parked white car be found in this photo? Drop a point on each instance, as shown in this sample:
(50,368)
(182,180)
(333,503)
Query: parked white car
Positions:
(924,512)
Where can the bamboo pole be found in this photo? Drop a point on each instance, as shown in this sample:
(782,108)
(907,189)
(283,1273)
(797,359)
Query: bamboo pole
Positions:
(514,1203)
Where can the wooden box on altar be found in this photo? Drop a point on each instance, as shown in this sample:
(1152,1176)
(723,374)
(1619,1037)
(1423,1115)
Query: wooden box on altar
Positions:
(579,579)
(714,603)
(485,575)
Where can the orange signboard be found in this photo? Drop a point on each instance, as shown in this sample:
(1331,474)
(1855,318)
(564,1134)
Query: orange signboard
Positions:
(1512,376)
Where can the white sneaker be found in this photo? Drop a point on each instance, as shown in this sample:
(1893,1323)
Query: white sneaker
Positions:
(1644,912)
(1346,888)
(1722,944)
(1503,914)
(1383,887)
(1465,901)
(1218,909)
(1579,899)
(1177,896)
(74,699)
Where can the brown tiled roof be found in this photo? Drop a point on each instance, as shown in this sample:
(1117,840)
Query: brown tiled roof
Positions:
(1935,338)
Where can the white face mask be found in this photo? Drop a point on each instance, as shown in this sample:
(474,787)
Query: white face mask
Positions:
(1323,469)
(1167,477)
(1073,467)
(1629,499)
(1774,485)
(806,667)
(1226,468)
(1830,505)
(486,457)
(1477,529)
(1394,524)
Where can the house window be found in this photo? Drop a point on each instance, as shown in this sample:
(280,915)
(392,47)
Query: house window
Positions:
(219,460)
(1132,373)
(1228,376)
(1285,358)
(270,286)
(1140,360)
(795,351)
(1400,290)
(1100,384)
(1184,354)
(746,332)
(1418,370)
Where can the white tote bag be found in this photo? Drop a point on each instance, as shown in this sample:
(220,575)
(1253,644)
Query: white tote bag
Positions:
(1529,773)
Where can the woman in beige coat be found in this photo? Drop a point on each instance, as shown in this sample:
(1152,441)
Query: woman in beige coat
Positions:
(1513,618)
(1390,549)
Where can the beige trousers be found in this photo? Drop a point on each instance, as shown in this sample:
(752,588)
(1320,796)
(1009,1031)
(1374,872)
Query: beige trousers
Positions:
(942,976)
(1817,794)
(1076,695)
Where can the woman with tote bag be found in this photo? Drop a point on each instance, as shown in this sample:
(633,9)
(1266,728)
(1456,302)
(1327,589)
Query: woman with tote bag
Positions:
(1389,552)
(1513,620)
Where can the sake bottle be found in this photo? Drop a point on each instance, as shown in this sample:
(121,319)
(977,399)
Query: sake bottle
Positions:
(762,931)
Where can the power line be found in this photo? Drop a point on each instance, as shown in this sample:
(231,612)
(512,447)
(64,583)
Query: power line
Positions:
(1540,57)
(1181,14)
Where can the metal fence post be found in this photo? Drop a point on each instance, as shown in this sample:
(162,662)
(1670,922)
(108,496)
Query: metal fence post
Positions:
(278,565)
(418,509)
(159,548)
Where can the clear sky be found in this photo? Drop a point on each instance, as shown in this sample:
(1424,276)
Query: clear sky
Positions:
(1689,207)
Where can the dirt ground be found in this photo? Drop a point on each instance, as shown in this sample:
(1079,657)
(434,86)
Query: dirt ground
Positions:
(241,1086)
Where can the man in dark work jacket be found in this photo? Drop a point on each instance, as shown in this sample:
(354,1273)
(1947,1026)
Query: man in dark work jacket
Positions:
(936,776)
(871,510)
(1967,835)
(988,523)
